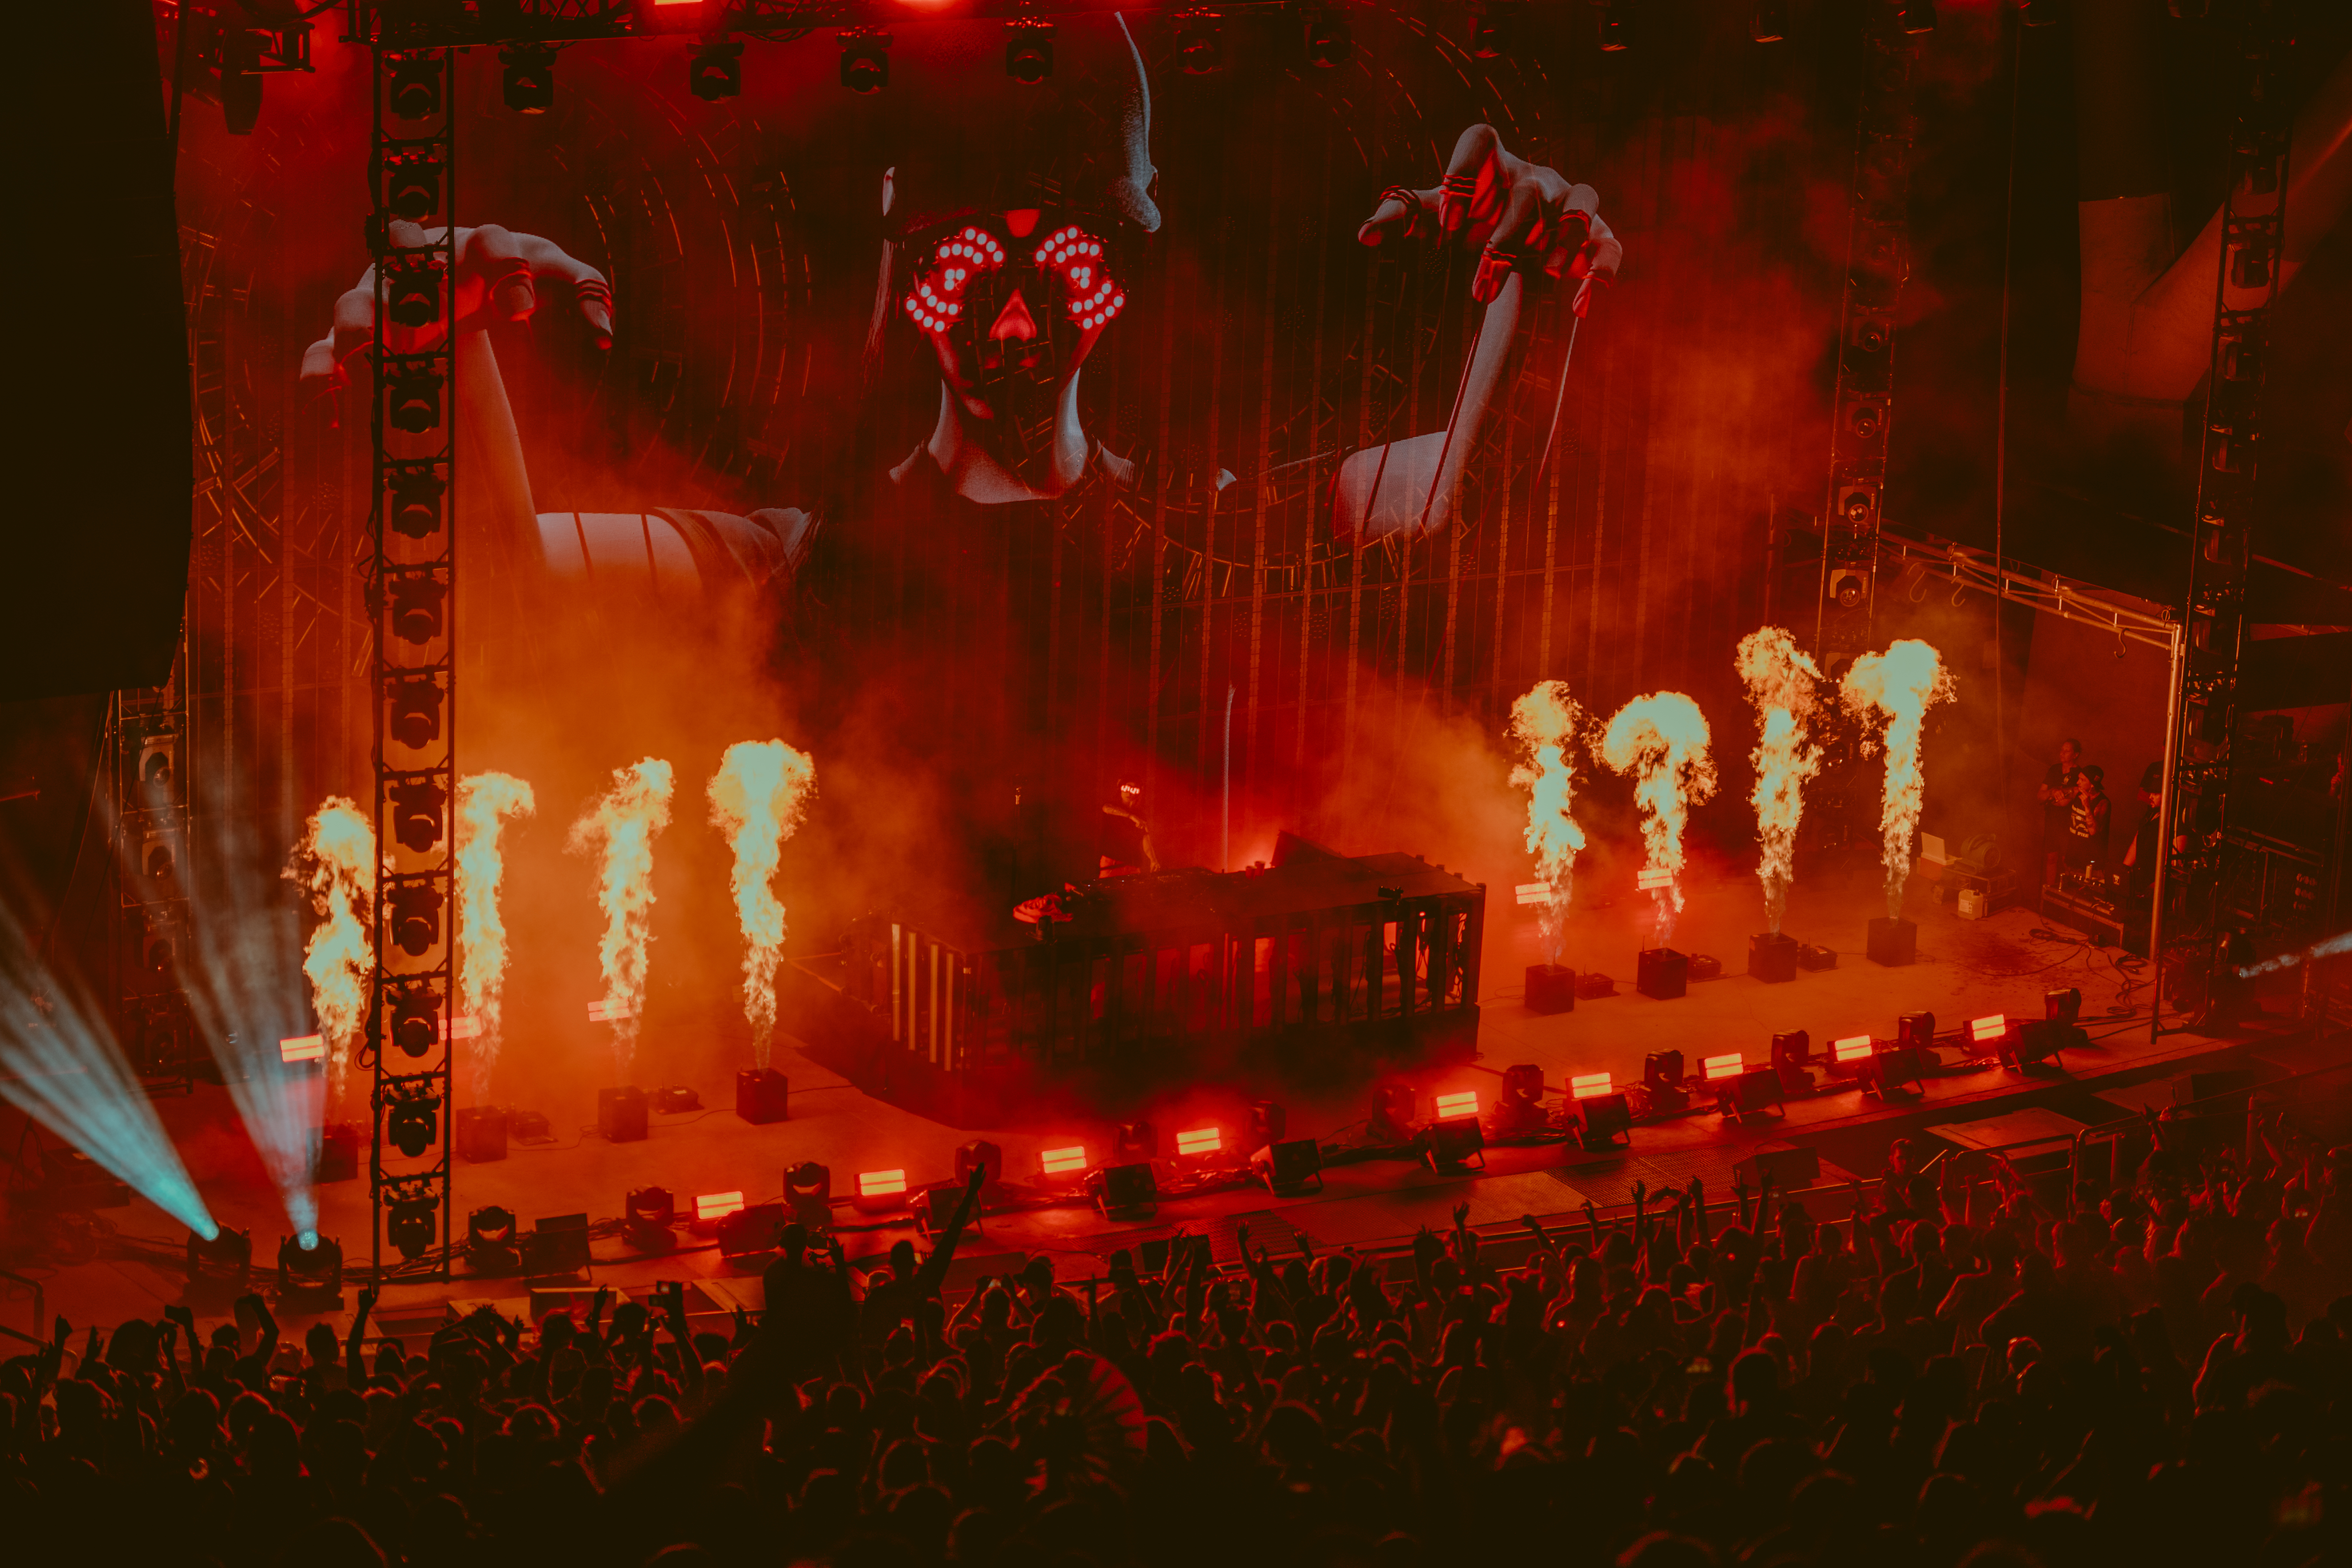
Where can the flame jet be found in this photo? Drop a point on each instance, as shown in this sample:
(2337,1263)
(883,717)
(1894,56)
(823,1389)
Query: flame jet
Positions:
(335,864)
(1662,740)
(1543,722)
(1902,683)
(1781,680)
(486,802)
(758,796)
(619,830)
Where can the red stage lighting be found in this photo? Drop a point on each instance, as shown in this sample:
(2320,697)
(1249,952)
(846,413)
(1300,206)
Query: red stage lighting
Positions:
(881,1184)
(1201,1141)
(1067,1162)
(1852,1050)
(1589,1086)
(302,1048)
(1731,1064)
(1989,1030)
(709,1208)
(1461,1102)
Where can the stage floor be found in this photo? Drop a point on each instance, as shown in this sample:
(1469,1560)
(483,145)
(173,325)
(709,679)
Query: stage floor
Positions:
(1965,969)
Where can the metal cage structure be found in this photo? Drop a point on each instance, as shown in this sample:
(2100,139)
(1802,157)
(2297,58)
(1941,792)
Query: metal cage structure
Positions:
(412,596)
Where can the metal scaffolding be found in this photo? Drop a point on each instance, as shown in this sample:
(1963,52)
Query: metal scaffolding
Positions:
(411,590)
(2195,807)
(1878,261)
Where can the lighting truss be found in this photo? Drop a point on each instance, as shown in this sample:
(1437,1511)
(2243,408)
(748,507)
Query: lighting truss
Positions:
(413,561)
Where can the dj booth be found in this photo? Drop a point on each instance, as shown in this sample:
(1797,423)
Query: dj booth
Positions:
(1316,969)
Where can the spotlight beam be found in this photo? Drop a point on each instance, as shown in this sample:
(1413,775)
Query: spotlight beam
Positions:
(60,1065)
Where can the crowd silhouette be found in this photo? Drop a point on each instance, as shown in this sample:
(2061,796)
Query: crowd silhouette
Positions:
(1961,1367)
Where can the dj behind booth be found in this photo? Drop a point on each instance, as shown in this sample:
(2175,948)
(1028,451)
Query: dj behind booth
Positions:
(1318,968)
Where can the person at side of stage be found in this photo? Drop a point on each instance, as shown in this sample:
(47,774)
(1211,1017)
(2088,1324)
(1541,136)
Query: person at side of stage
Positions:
(2089,821)
(2139,855)
(2057,795)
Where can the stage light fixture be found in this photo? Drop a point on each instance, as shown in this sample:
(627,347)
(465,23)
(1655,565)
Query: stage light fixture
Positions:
(1029,52)
(646,1216)
(1287,1167)
(1589,1086)
(490,1241)
(1199,42)
(864,60)
(413,1125)
(415,917)
(1662,1069)
(1988,1031)
(1395,1107)
(529,82)
(309,1264)
(1330,41)
(416,502)
(716,70)
(1851,1050)
(750,1232)
(415,711)
(412,295)
(417,599)
(415,87)
(1135,1140)
(2062,1006)
(1849,587)
(1769,23)
(1067,1161)
(1268,1122)
(1892,1062)
(417,808)
(1616,27)
(1461,1102)
(808,1189)
(411,401)
(1746,1093)
(413,1224)
(412,186)
(558,1244)
(1917,1031)
(1199,1142)
(1604,1119)
(1916,16)
(415,1019)
(1520,1110)
(1448,1144)
(1124,1189)
(302,1048)
(223,1257)
(1730,1064)
(709,1208)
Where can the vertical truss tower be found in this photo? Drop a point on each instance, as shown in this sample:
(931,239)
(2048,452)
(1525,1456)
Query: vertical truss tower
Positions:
(412,590)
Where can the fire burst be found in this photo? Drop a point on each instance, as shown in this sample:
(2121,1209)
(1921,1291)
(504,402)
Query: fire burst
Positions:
(1902,683)
(1779,678)
(484,801)
(336,863)
(1542,724)
(1662,740)
(758,796)
(620,829)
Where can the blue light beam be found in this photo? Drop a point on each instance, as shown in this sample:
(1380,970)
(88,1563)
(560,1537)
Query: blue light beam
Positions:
(59,1064)
(242,971)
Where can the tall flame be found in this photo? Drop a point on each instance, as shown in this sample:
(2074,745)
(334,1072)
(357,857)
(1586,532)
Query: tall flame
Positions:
(1779,677)
(619,830)
(1902,683)
(1662,740)
(484,801)
(1543,722)
(335,863)
(758,796)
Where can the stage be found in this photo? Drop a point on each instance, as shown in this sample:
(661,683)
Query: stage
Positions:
(1965,969)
